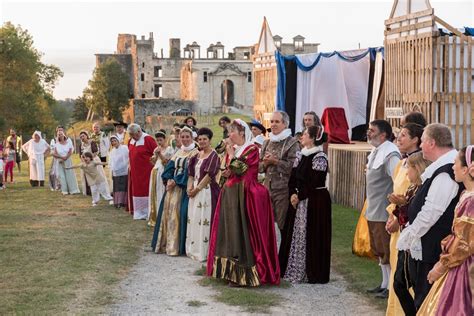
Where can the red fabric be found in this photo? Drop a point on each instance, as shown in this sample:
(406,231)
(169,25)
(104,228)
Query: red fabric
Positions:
(335,125)
(260,223)
(140,169)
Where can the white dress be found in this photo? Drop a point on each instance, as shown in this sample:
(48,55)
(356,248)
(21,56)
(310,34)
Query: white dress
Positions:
(157,187)
(35,152)
(199,220)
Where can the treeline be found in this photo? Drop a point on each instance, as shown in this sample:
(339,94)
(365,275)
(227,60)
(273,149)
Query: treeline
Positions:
(27,84)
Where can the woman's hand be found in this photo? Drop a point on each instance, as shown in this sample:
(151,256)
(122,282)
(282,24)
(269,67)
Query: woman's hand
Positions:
(226,173)
(192,192)
(294,200)
(230,150)
(392,225)
(170,185)
(435,273)
(397,199)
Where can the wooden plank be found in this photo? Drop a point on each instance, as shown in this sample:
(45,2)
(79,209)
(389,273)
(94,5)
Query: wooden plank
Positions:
(445,77)
(454,93)
(394,7)
(450,28)
(410,27)
(411,16)
(410,37)
(438,76)
(460,97)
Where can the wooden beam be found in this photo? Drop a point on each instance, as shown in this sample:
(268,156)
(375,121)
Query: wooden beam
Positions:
(394,7)
(450,28)
(411,16)
(410,27)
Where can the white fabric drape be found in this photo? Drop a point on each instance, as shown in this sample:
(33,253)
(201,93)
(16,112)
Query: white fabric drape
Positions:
(333,82)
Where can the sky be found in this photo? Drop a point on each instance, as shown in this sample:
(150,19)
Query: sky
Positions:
(69,33)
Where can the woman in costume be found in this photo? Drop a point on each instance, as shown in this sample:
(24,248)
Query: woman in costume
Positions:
(170,230)
(242,248)
(118,164)
(62,152)
(203,192)
(452,275)
(408,142)
(305,249)
(37,149)
(161,155)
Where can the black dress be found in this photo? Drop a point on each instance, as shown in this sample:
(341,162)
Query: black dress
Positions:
(305,249)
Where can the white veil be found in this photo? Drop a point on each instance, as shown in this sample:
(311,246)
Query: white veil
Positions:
(248,138)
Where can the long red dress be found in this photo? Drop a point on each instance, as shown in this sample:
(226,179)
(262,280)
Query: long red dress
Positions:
(140,153)
(242,246)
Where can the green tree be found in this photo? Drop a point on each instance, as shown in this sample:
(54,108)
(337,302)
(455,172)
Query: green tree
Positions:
(26,83)
(108,90)
(80,109)
(62,111)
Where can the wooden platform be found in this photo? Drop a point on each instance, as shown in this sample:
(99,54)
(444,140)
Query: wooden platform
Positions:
(347,165)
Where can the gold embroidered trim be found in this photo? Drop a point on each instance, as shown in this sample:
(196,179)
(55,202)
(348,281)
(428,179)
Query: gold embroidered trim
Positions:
(228,269)
(466,219)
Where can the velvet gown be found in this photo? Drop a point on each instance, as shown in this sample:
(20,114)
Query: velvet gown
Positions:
(242,246)
(305,249)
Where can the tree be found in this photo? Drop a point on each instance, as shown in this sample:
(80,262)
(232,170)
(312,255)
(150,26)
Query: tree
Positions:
(26,83)
(109,90)
(80,109)
(62,111)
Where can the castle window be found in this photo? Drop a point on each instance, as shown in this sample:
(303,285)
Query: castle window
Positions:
(143,64)
(247,55)
(249,76)
(143,95)
(158,72)
(142,77)
(204,76)
(158,90)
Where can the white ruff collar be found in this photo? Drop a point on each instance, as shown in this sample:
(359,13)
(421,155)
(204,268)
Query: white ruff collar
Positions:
(278,138)
(309,151)
(188,148)
(139,142)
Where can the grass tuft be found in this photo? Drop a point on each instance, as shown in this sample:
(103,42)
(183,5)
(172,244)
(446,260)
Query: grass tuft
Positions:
(195,303)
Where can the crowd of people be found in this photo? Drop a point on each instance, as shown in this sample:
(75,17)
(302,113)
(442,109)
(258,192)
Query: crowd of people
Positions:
(228,206)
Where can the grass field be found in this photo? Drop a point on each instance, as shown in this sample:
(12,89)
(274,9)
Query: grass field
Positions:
(60,255)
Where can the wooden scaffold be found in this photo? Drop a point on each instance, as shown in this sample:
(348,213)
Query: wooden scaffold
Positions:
(428,70)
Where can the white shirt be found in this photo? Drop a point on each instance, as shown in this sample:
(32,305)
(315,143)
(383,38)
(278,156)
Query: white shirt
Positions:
(381,152)
(442,190)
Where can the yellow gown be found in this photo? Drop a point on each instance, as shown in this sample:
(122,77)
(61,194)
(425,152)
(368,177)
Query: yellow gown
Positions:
(400,186)
(361,242)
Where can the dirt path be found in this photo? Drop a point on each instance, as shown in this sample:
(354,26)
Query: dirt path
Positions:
(159,284)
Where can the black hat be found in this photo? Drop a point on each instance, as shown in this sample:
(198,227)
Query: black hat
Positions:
(258,125)
(120,123)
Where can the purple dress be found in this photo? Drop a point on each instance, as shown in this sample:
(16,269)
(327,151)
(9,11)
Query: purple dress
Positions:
(209,166)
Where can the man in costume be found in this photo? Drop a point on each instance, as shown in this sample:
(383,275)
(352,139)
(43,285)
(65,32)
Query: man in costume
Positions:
(140,147)
(382,161)
(276,161)
(430,215)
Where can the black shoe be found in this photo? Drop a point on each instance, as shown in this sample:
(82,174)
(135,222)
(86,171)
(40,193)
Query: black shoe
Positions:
(383,294)
(377,289)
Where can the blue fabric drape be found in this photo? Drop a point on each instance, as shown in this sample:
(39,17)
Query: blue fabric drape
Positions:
(469,31)
(280,60)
